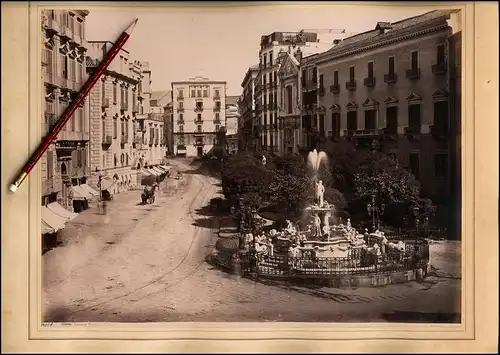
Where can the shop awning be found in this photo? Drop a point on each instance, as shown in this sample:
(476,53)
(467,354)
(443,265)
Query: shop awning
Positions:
(166,168)
(107,184)
(79,193)
(153,172)
(90,190)
(46,229)
(61,211)
(52,220)
(146,173)
(181,151)
(158,170)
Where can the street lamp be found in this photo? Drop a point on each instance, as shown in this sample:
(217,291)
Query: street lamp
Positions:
(375,210)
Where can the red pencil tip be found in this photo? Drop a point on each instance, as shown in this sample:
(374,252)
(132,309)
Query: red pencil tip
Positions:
(131,27)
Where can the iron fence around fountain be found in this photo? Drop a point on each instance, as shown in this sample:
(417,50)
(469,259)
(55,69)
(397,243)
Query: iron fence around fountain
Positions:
(358,263)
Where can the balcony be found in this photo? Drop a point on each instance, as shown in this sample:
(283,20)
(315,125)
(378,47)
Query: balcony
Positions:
(65,32)
(198,121)
(198,143)
(413,73)
(80,172)
(105,103)
(52,26)
(199,109)
(364,133)
(180,121)
(217,108)
(180,109)
(107,140)
(216,97)
(391,132)
(335,89)
(267,86)
(124,106)
(439,132)
(180,97)
(137,140)
(135,108)
(124,139)
(50,119)
(217,121)
(390,78)
(369,82)
(321,91)
(439,69)
(413,132)
(350,85)
(274,85)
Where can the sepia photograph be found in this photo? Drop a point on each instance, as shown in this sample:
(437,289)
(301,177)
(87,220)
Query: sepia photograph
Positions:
(258,164)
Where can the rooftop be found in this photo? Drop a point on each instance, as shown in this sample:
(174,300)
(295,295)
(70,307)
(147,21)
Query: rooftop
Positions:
(390,29)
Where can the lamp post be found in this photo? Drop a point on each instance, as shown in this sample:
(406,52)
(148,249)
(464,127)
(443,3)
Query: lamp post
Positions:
(375,210)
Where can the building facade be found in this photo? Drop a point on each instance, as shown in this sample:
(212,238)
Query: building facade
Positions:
(120,143)
(289,102)
(455,103)
(232,122)
(161,102)
(65,164)
(387,89)
(266,92)
(248,129)
(199,112)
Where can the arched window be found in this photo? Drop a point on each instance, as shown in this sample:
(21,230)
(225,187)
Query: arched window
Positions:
(115,159)
(122,158)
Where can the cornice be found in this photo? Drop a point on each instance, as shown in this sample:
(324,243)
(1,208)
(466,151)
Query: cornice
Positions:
(400,38)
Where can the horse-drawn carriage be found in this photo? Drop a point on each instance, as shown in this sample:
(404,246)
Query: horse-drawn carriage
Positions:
(148,195)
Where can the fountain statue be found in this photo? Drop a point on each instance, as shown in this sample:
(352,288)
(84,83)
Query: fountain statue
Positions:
(320,193)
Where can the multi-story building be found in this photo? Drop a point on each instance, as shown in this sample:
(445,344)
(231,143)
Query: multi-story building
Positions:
(232,120)
(387,89)
(120,144)
(150,122)
(309,103)
(454,71)
(161,102)
(289,102)
(271,46)
(248,129)
(65,164)
(199,112)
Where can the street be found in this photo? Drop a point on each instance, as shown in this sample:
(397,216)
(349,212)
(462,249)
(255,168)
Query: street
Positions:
(146,263)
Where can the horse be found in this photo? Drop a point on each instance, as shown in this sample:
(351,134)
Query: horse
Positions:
(148,196)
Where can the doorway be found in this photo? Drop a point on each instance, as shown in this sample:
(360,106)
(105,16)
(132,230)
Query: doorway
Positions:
(199,151)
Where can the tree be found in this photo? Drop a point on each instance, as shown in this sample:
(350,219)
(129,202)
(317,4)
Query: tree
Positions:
(245,176)
(386,179)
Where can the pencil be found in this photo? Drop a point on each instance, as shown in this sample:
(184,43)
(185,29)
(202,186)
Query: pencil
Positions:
(72,107)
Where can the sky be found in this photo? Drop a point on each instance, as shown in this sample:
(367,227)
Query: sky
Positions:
(220,42)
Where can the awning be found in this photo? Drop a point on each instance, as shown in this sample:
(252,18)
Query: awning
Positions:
(166,168)
(79,193)
(61,211)
(153,172)
(52,220)
(146,172)
(107,184)
(158,170)
(46,229)
(90,190)
(181,151)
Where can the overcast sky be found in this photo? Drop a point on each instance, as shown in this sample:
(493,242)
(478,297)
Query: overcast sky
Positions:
(222,42)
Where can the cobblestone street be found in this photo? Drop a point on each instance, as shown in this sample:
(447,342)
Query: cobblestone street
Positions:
(143,263)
